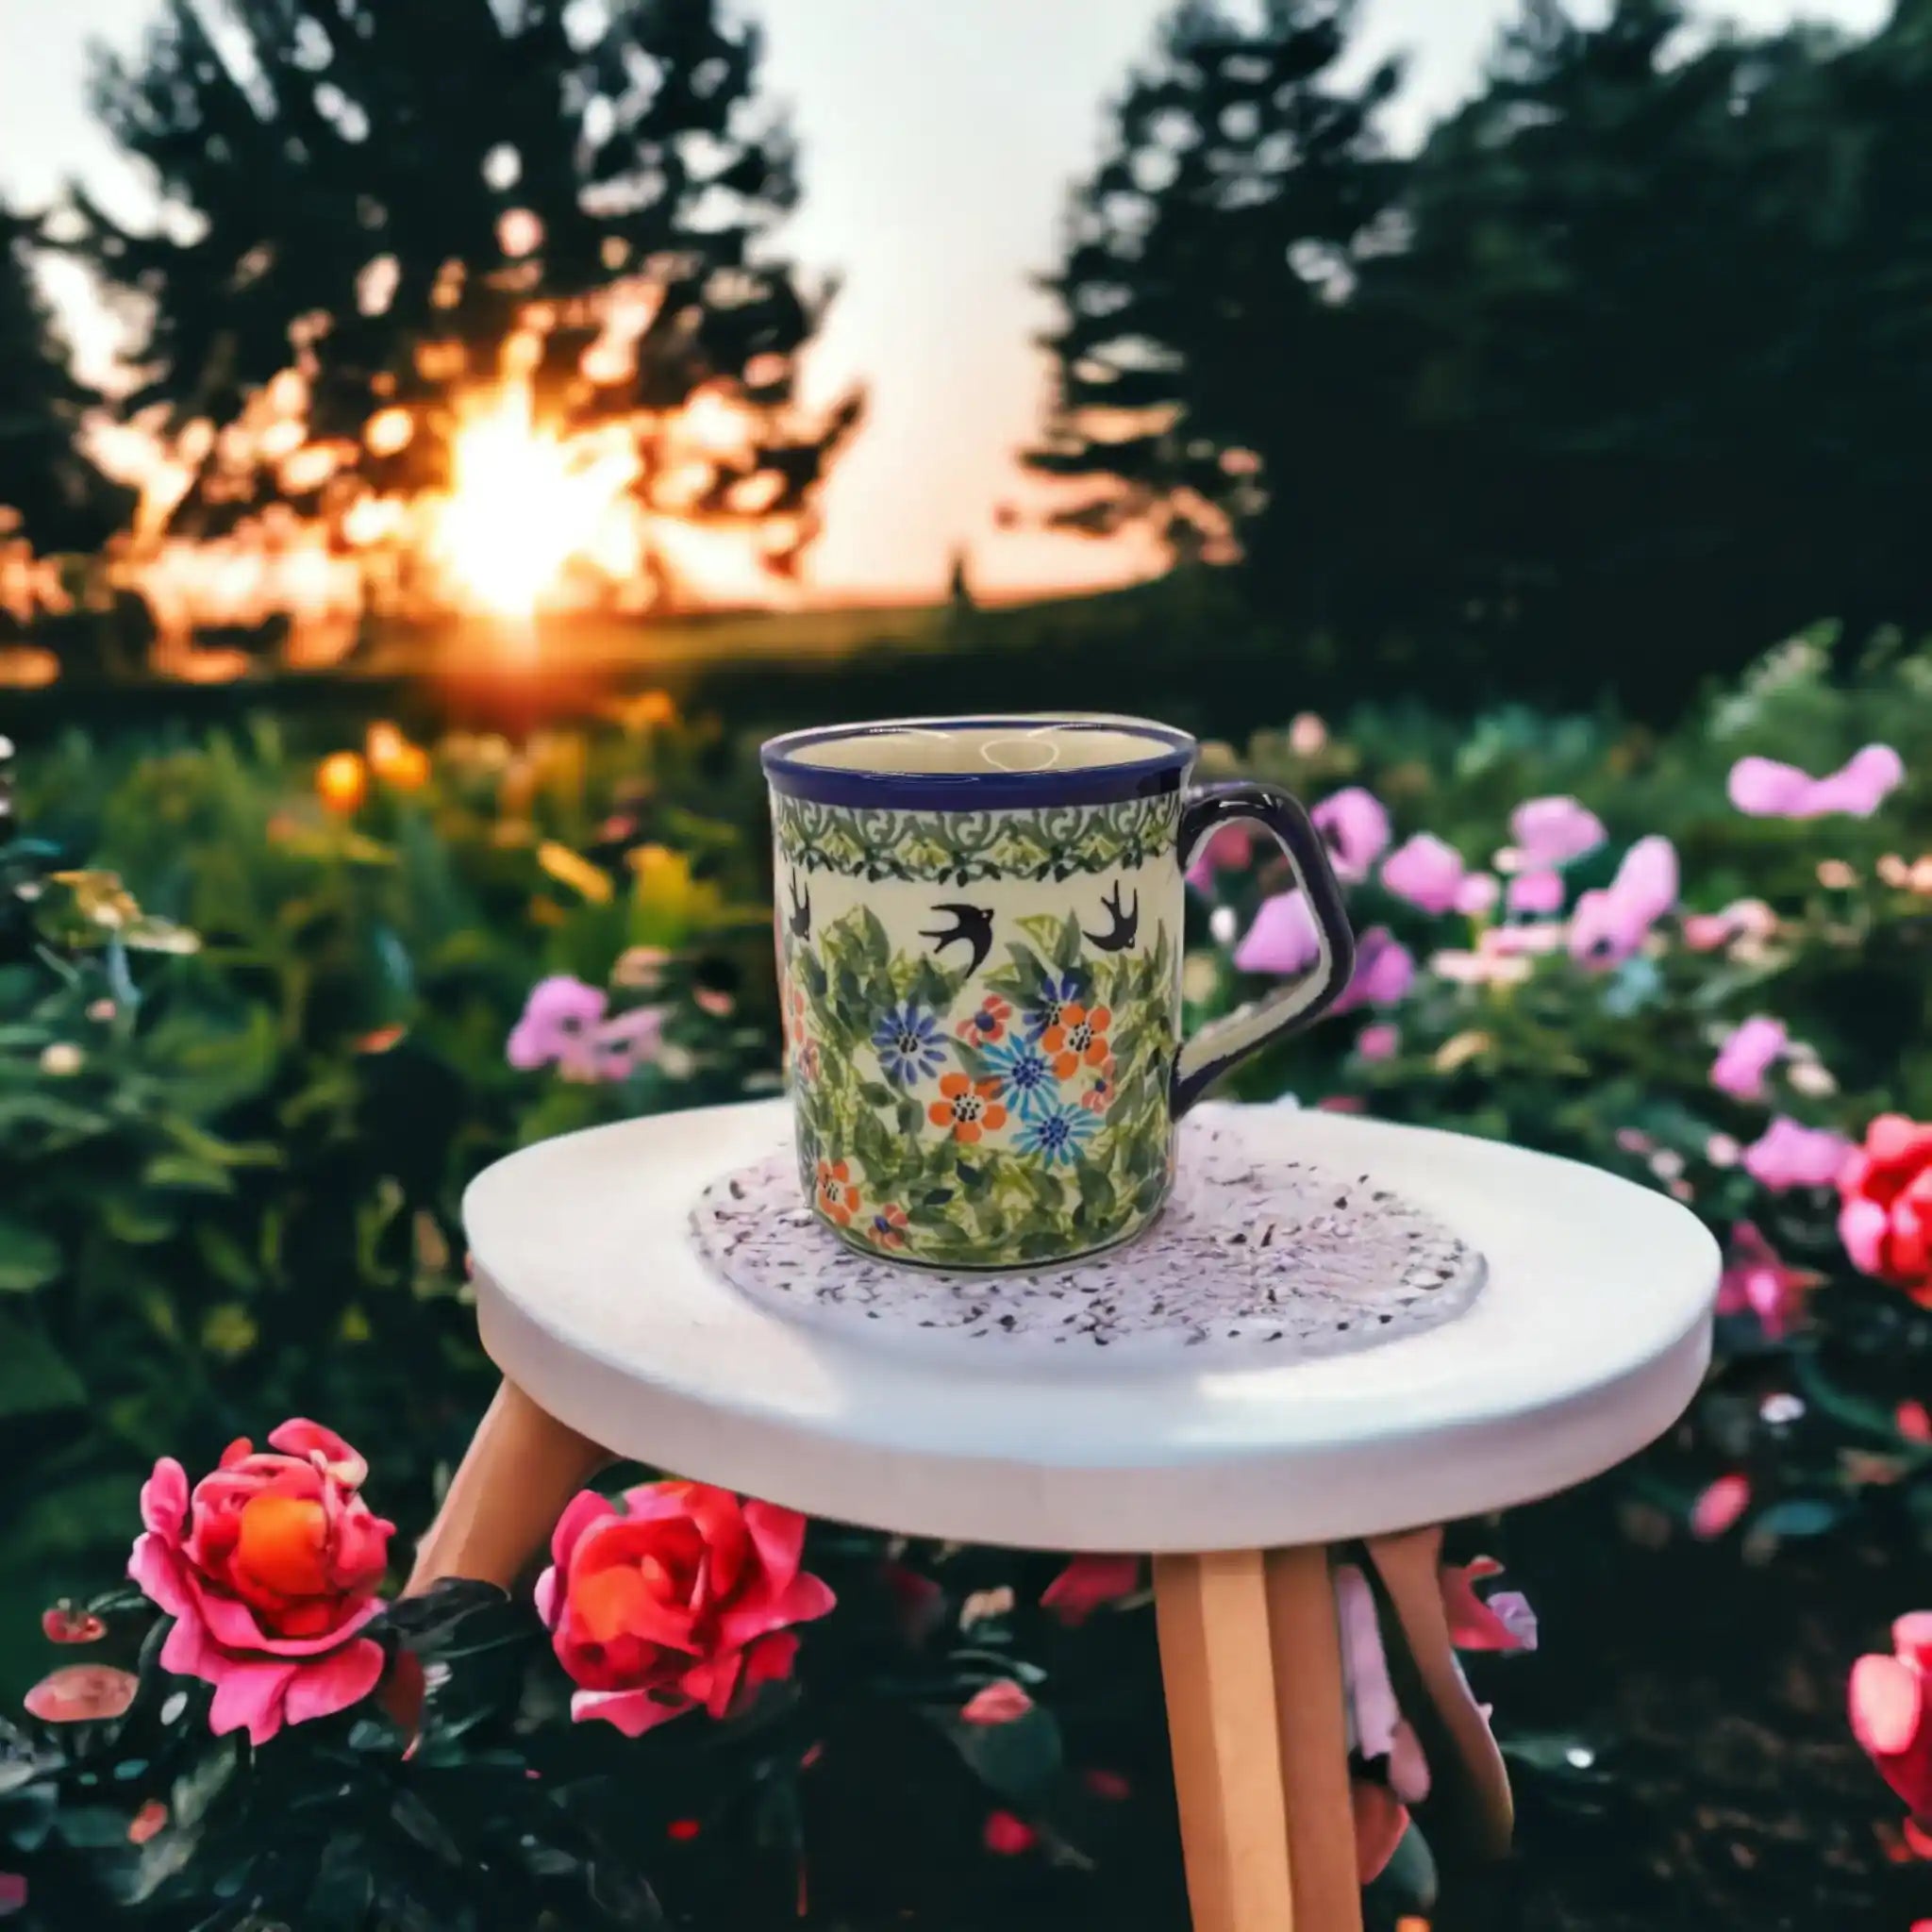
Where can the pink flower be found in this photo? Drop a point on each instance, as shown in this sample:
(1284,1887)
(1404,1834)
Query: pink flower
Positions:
(1764,789)
(620,1046)
(1550,832)
(1757,1281)
(270,1570)
(1426,871)
(1611,923)
(1504,1622)
(1478,893)
(1357,829)
(1892,1717)
(1536,893)
(1384,971)
(1787,1155)
(1307,737)
(1745,919)
(1720,1507)
(13,1895)
(1914,1421)
(82,1693)
(149,1822)
(68,1624)
(1282,939)
(1088,1582)
(556,1025)
(999,1703)
(1007,1837)
(1230,849)
(1747,1055)
(1376,1729)
(1381,1821)
(682,1599)
(1380,1042)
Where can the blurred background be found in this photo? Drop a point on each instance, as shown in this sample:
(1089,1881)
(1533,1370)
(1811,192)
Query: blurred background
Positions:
(438,442)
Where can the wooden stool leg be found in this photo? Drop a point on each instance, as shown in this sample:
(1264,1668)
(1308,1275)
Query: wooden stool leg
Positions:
(1252,1663)
(1212,1612)
(1312,1728)
(520,1468)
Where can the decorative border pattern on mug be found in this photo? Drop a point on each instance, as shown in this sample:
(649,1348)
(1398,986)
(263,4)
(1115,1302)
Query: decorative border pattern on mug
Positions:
(1005,1124)
(960,848)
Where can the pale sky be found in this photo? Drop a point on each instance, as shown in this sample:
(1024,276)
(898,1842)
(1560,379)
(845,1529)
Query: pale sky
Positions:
(939,141)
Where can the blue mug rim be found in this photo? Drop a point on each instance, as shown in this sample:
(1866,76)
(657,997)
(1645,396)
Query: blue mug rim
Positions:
(1159,772)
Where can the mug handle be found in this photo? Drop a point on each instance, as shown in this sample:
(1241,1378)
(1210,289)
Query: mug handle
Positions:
(1212,1051)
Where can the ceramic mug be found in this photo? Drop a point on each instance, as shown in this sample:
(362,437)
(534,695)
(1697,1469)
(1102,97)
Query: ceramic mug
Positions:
(980,929)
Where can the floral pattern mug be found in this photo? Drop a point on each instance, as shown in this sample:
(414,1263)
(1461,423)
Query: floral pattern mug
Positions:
(979,930)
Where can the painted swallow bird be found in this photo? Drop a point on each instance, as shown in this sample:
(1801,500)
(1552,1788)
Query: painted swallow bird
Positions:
(799,925)
(971,927)
(1125,925)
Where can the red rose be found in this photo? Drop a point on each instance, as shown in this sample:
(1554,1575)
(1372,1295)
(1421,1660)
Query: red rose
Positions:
(270,1570)
(682,1597)
(1885,1217)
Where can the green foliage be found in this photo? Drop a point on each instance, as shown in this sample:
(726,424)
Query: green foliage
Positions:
(234,1173)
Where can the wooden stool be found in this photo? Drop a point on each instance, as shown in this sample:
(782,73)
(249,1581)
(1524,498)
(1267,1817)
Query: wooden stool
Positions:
(1588,1341)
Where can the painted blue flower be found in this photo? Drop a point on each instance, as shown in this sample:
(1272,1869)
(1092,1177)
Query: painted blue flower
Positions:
(1025,1077)
(907,1043)
(1056,990)
(1058,1134)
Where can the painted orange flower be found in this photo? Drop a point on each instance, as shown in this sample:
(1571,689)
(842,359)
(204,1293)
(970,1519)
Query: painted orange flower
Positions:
(967,1107)
(1077,1039)
(838,1197)
(988,1024)
(1101,1088)
(888,1226)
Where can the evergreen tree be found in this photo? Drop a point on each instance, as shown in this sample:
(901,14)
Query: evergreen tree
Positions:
(60,500)
(418,192)
(1609,293)
(1209,377)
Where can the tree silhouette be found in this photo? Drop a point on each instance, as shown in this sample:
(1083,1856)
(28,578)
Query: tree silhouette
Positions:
(427,196)
(1211,380)
(1609,290)
(60,500)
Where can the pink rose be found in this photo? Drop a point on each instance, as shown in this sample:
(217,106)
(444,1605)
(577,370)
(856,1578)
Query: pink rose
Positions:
(682,1598)
(269,1569)
(1892,1716)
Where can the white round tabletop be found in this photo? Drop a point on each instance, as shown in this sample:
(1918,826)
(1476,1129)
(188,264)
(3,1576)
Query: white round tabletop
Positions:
(1589,1338)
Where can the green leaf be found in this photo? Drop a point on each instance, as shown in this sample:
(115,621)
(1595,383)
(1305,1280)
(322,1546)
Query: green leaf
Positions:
(29,1257)
(35,1378)
(1019,1760)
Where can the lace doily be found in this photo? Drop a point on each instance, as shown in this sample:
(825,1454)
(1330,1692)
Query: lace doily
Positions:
(1254,1252)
